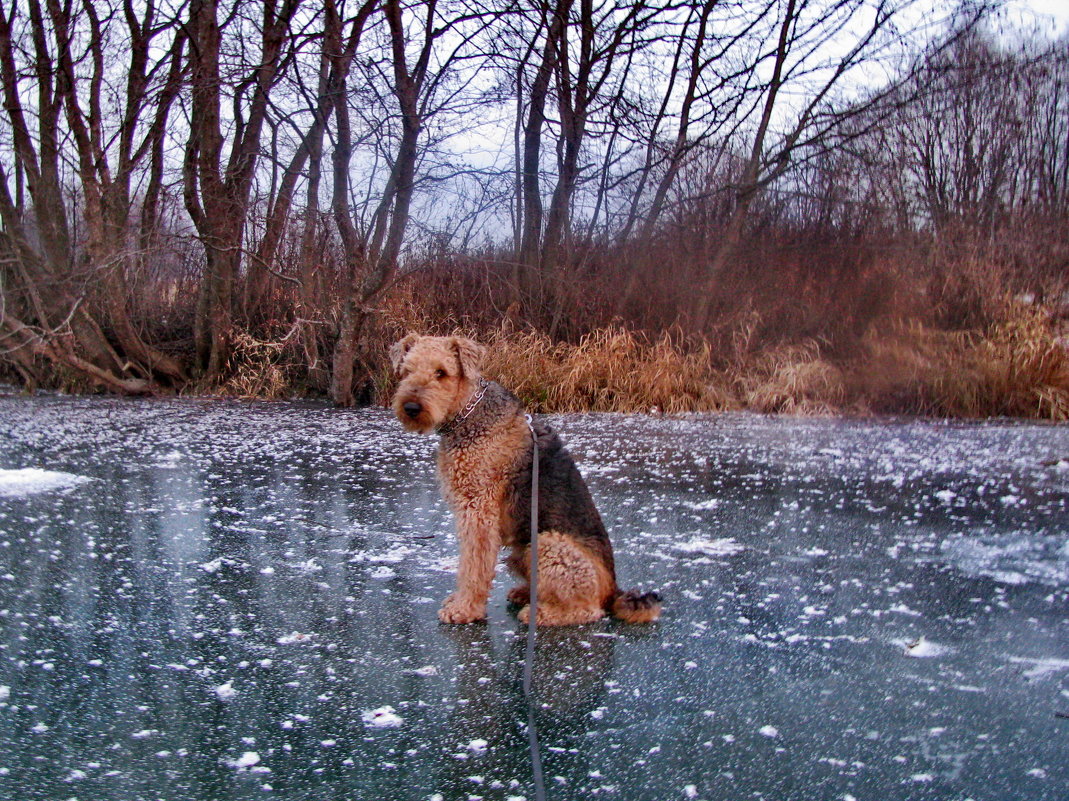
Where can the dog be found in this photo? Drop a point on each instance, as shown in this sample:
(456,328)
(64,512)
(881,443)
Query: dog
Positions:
(485,459)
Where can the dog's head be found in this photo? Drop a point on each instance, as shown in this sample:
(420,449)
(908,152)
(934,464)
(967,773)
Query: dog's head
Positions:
(437,378)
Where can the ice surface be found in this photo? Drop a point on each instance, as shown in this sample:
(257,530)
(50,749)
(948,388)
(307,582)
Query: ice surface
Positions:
(853,609)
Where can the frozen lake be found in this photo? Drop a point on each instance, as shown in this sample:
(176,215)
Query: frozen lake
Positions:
(222,600)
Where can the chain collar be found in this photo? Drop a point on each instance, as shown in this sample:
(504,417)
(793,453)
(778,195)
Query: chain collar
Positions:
(450,425)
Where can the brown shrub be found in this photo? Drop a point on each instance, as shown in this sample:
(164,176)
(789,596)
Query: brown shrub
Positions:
(257,368)
(1017,368)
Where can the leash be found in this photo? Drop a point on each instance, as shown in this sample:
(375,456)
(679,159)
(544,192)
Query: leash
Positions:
(532,625)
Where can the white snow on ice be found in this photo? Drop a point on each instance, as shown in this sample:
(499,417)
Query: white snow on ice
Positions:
(722,546)
(31,480)
(382,718)
(1041,667)
(923,648)
(225,691)
(246,760)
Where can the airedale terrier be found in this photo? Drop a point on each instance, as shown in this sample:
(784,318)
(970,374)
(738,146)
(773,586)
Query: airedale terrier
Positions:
(484,466)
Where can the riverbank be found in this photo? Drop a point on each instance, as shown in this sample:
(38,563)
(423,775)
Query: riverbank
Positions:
(1017,367)
(1015,364)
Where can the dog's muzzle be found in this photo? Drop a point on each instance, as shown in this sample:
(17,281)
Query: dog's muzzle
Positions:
(412,409)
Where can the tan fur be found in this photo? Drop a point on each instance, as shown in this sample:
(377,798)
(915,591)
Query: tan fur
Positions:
(573,586)
(438,377)
(420,363)
(473,482)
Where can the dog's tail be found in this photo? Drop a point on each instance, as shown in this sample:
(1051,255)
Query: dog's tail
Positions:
(631,606)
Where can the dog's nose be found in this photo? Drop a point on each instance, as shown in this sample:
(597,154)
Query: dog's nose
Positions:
(412,409)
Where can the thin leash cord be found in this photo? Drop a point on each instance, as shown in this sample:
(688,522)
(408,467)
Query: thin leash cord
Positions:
(532,626)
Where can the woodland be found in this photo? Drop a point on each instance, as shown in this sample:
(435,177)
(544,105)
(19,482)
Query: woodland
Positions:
(796,206)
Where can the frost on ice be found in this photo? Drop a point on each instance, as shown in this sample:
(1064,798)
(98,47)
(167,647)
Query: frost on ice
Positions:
(30,480)
(722,546)
(382,718)
(246,760)
(923,648)
(226,691)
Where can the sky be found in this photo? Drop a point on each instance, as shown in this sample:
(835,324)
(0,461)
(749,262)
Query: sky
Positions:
(1049,12)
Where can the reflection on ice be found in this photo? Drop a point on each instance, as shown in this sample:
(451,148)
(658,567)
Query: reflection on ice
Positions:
(1013,557)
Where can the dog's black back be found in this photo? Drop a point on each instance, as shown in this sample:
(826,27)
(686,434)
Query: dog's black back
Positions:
(564,502)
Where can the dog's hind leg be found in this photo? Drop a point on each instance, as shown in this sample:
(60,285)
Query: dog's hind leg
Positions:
(518,564)
(573,585)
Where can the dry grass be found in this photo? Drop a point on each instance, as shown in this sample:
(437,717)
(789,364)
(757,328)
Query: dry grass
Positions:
(1017,368)
(793,379)
(609,370)
(257,369)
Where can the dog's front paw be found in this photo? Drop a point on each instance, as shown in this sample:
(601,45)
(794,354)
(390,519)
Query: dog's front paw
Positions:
(457,609)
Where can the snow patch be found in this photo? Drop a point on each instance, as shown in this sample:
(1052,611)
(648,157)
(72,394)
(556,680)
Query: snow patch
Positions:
(1013,558)
(701,506)
(226,691)
(923,648)
(31,480)
(169,460)
(946,496)
(382,718)
(722,546)
(1040,667)
(245,761)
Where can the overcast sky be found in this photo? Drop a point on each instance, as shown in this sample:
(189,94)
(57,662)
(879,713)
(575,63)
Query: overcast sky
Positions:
(1052,12)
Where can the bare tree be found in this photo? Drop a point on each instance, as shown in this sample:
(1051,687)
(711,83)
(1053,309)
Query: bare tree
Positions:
(437,38)
(217,195)
(818,47)
(74,285)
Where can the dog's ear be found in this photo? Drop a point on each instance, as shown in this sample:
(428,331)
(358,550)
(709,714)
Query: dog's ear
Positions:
(469,355)
(400,349)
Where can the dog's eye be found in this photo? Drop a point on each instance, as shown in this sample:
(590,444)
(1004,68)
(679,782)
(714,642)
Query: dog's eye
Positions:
(440,374)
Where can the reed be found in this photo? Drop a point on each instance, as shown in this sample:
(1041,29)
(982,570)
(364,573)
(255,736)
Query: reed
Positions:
(609,370)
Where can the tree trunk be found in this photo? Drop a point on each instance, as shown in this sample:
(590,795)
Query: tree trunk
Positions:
(748,182)
(528,257)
